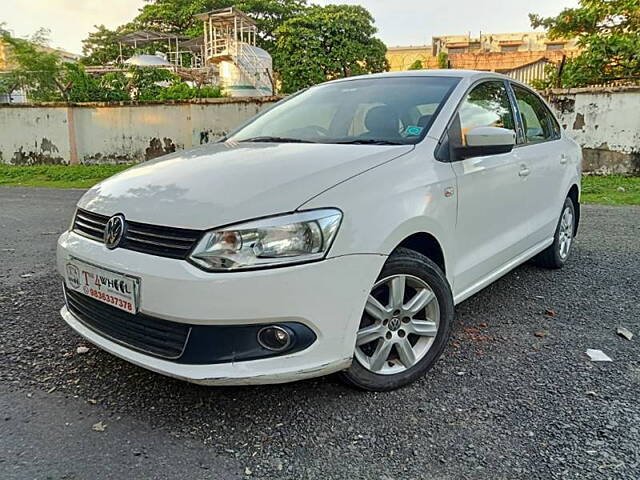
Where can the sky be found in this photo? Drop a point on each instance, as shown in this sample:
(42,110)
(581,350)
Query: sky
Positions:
(400,22)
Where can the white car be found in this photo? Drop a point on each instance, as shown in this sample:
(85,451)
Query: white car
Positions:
(334,232)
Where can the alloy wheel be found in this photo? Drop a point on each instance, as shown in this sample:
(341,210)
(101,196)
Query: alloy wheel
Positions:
(399,325)
(565,233)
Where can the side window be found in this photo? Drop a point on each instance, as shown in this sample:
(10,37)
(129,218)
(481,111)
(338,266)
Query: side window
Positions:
(537,121)
(487,105)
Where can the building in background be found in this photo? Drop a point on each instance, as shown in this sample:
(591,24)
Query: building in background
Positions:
(4,63)
(19,95)
(401,58)
(499,42)
(523,56)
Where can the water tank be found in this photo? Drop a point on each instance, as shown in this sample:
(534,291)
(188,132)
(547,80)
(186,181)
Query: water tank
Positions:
(148,61)
(248,74)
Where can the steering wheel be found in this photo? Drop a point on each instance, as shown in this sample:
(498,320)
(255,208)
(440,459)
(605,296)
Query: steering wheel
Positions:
(311,130)
(318,130)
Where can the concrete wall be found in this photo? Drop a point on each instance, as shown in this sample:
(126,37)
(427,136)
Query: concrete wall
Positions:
(101,133)
(605,121)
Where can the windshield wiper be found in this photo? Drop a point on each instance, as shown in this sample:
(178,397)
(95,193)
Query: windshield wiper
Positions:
(369,142)
(276,140)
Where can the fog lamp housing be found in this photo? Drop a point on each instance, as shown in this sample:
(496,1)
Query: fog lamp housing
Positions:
(275,338)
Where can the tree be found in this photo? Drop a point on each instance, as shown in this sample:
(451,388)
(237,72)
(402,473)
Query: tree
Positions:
(174,16)
(33,67)
(178,16)
(443,60)
(102,47)
(45,78)
(269,15)
(608,33)
(325,43)
(417,65)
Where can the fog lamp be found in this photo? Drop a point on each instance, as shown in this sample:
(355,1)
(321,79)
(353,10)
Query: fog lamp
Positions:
(274,338)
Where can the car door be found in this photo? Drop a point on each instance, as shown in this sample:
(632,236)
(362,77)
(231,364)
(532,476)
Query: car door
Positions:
(492,225)
(541,150)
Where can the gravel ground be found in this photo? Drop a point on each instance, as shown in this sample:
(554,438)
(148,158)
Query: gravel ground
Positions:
(514,396)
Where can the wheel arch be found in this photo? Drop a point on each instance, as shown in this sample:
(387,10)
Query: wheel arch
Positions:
(574,195)
(426,244)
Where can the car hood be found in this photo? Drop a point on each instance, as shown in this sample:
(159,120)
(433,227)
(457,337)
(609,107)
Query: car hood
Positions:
(225,183)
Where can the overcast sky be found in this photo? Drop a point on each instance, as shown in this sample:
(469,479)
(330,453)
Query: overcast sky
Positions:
(400,22)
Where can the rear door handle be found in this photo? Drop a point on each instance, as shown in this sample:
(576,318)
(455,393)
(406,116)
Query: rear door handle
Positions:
(524,171)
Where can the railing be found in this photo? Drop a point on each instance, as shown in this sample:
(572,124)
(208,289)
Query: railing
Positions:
(240,53)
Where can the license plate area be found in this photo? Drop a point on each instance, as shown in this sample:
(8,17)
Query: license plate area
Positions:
(107,286)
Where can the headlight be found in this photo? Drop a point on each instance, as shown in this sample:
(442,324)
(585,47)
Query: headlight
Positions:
(294,238)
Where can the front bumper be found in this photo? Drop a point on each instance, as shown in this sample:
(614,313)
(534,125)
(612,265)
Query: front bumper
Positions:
(328,297)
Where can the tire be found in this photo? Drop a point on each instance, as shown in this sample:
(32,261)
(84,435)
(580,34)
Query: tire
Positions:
(556,255)
(424,329)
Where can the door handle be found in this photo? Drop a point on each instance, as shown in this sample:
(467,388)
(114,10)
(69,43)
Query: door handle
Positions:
(524,171)
(563,159)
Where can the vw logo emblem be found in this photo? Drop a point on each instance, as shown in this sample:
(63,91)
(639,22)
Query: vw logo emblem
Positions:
(394,324)
(114,231)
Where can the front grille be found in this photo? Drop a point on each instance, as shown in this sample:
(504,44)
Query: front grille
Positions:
(150,335)
(90,224)
(141,237)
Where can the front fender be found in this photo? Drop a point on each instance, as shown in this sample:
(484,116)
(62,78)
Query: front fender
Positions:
(387,204)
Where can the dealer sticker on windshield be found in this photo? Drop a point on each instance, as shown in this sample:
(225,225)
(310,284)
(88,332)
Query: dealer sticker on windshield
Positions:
(112,288)
(413,131)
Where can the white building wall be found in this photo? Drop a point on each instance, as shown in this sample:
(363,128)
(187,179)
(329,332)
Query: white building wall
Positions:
(116,133)
(605,122)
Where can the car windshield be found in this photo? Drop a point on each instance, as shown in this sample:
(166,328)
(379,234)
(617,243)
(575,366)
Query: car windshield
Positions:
(378,111)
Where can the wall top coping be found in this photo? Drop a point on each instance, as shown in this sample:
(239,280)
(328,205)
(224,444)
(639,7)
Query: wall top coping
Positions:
(195,101)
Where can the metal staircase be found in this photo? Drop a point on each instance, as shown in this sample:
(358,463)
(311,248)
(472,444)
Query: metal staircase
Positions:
(230,35)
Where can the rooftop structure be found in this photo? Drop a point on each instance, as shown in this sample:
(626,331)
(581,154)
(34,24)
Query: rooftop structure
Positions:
(499,42)
(230,43)
(522,55)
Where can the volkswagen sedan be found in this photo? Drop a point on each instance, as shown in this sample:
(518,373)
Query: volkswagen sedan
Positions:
(334,232)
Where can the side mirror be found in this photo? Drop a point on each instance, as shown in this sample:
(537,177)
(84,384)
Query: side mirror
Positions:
(481,141)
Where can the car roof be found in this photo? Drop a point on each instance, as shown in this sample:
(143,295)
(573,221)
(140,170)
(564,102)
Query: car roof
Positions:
(449,72)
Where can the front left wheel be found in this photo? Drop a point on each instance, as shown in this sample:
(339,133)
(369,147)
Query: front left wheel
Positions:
(405,326)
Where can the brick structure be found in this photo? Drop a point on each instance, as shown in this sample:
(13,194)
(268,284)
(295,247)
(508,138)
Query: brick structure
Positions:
(522,55)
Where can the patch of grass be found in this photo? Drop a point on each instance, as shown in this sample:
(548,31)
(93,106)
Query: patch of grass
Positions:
(57,176)
(611,190)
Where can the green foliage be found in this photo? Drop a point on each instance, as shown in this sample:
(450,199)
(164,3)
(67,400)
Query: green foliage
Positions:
(182,91)
(101,46)
(611,190)
(33,67)
(146,84)
(174,16)
(325,43)
(46,79)
(150,84)
(550,79)
(57,176)
(178,16)
(269,15)
(443,60)
(595,189)
(608,32)
(417,65)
